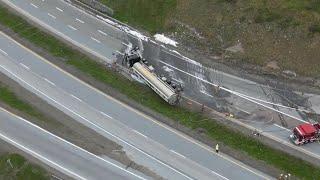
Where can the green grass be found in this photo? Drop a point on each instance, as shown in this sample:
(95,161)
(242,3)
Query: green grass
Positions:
(315,28)
(19,169)
(257,24)
(150,15)
(266,15)
(13,101)
(147,98)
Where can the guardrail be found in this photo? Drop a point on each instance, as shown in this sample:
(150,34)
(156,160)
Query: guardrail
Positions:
(95,5)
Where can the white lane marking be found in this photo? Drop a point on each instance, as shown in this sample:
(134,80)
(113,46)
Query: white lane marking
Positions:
(153,42)
(203,92)
(119,52)
(52,16)
(54,176)
(71,27)
(234,77)
(106,115)
(177,80)
(141,114)
(219,175)
(49,81)
(79,20)
(140,133)
(282,127)
(97,126)
(177,153)
(101,32)
(233,92)
(200,144)
(24,66)
(34,5)
(267,135)
(240,109)
(35,154)
(67,142)
(3,52)
(125,44)
(76,97)
(59,9)
(96,40)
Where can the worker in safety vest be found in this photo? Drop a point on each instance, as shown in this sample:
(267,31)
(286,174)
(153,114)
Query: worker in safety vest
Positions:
(217,148)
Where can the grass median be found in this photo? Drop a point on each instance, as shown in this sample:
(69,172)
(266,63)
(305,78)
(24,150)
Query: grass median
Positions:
(14,102)
(146,97)
(15,166)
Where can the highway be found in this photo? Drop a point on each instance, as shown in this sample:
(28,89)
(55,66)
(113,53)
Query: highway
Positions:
(104,40)
(162,149)
(56,152)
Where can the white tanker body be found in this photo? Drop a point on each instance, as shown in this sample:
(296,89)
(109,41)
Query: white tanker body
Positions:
(155,83)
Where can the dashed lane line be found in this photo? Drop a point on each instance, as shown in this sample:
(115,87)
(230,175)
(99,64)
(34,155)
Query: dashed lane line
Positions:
(23,65)
(103,33)
(219,175)
(3,52)
(205,93)
(52,16)
(96,40)
(97,126)
(59,9)
(106,115)
(79,20)
(282,127)
(138,112)
(35,6)
(76,97)
(177,153)
(49,81)
(140,133)
(63,140)
(71,27)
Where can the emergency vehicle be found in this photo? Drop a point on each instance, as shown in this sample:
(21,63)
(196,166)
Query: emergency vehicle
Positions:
(305,133)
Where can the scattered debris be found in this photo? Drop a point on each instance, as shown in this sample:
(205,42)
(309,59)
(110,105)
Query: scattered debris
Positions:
(138,79)
(190,29)
(165,68)
(272,65)
(107,20)
(124,28)
(186,58)
(162,38)
(289,73)
(236,48)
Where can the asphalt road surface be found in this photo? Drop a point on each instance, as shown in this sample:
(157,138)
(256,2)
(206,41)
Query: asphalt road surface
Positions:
(165,151)
(266,112)
(56,152)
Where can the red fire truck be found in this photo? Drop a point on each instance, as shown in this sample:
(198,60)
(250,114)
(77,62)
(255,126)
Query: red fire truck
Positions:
(305,133)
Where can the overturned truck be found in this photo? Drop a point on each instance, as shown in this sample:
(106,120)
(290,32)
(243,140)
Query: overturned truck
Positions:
(159,85)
